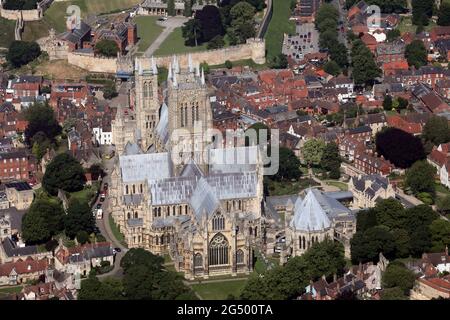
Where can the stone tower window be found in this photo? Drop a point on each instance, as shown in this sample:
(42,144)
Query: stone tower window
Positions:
(239,256)
(218,222)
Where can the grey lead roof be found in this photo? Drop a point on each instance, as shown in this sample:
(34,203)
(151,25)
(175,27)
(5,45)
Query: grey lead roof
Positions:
(149,166)
(203,199)
(233,160)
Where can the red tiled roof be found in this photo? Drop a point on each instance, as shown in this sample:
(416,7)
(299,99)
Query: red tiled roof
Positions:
(29,265)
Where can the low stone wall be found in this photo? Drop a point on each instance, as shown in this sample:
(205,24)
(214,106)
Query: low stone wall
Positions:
(28,15)
(254,49)
(92,63)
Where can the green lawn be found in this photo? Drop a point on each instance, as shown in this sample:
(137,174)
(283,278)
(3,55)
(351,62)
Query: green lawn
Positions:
(6,32)
(55,16)
(6,291)
(219,290)
(148,31)
(277,188)
(116,232)
(407,26)
(87,194)
(341,185)
(174,44)
(278,26)
(34,30)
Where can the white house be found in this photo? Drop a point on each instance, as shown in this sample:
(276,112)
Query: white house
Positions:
(103,137)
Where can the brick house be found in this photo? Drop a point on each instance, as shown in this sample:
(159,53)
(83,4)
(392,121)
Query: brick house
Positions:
(17,164)
(370,164)
(21,271)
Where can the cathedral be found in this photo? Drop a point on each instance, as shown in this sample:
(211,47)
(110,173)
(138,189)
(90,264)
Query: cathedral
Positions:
(173,190)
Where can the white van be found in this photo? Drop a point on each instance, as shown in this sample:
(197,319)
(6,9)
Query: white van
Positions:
(99,214)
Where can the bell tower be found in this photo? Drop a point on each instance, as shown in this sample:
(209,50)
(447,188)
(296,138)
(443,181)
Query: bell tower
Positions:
(147,102)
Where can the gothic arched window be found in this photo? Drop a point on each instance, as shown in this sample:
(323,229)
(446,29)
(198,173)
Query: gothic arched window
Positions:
(129,215)
(304,242)
(218,250)
(135,215)
(218,222)
(134,189)
(126,189)
(197,117)
(198,260)
(140,188)
(239,256)
(181,117)
(193,115)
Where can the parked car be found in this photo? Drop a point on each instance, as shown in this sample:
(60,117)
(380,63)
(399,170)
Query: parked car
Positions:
(99,206)
(116,250)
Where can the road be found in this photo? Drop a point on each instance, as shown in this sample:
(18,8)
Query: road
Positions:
(103,224)
(169,25)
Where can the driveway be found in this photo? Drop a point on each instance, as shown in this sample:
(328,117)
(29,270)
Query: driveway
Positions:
(169,25)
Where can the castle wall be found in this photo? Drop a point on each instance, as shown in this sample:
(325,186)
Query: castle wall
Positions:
(92,63)
(28,15)
(254,49)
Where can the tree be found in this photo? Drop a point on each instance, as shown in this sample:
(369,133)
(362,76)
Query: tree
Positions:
(109,91)
(40,144)
(191,32)
(41,120)
(440,235)
(392,35)
(365,69)
(387,102)
(210,21)
(94,289)
(366,246)
(331,161)
(312,151)
(43,219)
(402,103)
(22,52)
(107,48)
(289,167)
(420,177)
(416,54)
(188,8)
(397,275)
(399,147)
(216,43)
(139,256)
(366,219)
(331,67)
(443,204)
(228,64)
(419,219)
(83,237)
(242,22)
(79,218)
(324,258)
(390,213)
(393,294)
(422,10)
(402,240)
(279,61)
(444,14)
(171,8)
(63,172)
(436,130)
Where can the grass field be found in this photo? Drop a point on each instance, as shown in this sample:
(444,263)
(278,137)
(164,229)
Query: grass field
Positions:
(284,188)
(55,16)
(148,31)
(6,32)
(278,26)
(87,194)
(174,44)
(34,30)
(6,291)
(341,185)
(219,290)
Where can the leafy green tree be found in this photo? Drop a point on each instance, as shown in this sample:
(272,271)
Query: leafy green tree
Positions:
(331,67)
(366,246)
(188,8)
(216,43)
(312,151)
(279,61)
(210,21)
(93,289)
(40,145)
(365,70)
(387,102)
(22,52)
(191,32)
(402,240)
(228,64)
(440,235)
(338,52)
(444,14)
(325,258)
(402,103)
(443,204)
(420,177)
(41,120)
(416,54)
(242,22)
(43,220)
(79,218)
(331,161)
(171,8)
(422,10)
(399,147)
(419,219)
(289,167)
(390,213)
(436,130)
(107,48)
(109,91)
(397,275)
(83,237)
(141,257)
(392,35)
(395,293)
(63,172)
(366,219)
